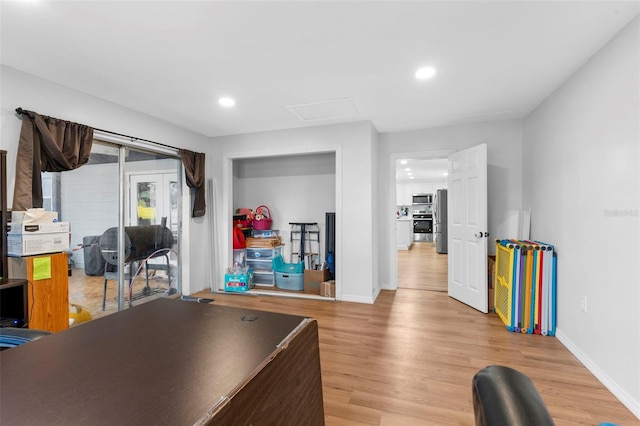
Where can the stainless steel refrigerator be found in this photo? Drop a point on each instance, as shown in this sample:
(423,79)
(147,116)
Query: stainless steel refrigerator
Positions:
(441,221)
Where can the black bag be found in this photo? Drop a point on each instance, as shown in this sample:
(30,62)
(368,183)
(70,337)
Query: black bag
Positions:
(94,263)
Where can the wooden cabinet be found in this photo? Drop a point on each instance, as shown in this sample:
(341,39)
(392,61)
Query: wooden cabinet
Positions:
(48,289)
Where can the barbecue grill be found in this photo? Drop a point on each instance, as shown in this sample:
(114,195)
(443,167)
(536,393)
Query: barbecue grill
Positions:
(141,243)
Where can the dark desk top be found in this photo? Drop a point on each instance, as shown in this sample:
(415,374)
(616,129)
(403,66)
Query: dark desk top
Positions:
(11,282)
(163,362)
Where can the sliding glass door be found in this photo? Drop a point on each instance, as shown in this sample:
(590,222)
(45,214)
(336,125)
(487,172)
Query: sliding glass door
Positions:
(123,209)
(151,223)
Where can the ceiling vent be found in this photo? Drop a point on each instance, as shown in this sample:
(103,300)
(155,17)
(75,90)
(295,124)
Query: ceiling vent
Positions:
(325,110)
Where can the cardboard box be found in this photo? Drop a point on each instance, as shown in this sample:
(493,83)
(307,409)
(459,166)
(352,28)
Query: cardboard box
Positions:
(491,300)
(313,279)
(328,288)
(30,244)
(39,228)
(491,266)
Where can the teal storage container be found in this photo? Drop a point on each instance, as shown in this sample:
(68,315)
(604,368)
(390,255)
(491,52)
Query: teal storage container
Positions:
(289,281)
(289,268)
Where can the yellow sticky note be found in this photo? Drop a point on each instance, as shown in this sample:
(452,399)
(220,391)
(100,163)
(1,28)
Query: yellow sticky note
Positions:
(41,268)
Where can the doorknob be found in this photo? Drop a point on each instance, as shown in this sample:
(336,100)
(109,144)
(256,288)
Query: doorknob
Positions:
(486,234)
(478,235)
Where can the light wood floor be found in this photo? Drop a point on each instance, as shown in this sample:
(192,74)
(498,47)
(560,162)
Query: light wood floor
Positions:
(422,268)
(409,359)
(87,291)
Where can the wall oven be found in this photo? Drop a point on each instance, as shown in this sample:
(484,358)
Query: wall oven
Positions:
(422,226)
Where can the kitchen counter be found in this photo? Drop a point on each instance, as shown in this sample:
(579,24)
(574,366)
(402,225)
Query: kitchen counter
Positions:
(404,233)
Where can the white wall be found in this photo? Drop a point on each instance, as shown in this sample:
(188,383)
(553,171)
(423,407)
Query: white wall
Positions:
(377,214)
(89,202)
(504,157)
(352,144)
(18,89)
(582,182)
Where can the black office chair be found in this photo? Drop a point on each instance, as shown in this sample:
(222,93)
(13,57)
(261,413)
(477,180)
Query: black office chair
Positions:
(11,337)
(504,396)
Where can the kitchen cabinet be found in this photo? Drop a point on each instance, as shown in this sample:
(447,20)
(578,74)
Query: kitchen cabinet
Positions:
(400,194)
(404,194)
(442,184)
(404,233)
(405,191)
(414,188)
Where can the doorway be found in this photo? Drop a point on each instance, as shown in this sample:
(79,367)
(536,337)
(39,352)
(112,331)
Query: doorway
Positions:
(419,266)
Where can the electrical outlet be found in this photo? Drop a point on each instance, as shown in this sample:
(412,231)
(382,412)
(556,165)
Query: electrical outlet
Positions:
(583,304)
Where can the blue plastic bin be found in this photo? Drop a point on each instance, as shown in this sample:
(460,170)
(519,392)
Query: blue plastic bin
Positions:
(289,281)
(288,268)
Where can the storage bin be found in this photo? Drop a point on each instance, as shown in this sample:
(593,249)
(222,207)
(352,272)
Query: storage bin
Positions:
(263,253)
(287,281)
(259,265)
(238,282)
(265,233)
(288,268)
(264,279)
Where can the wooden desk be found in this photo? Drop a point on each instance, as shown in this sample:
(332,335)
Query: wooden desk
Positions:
(168,362)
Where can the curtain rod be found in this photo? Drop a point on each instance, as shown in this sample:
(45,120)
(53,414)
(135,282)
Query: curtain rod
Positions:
(20,111)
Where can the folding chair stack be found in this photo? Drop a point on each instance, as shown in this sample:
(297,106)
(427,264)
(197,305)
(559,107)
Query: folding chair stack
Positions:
(525,281)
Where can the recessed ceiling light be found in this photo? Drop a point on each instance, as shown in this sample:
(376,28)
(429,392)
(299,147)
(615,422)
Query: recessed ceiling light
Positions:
(403,161)
(411,177)
(226,102)
(425,73)
(407,169)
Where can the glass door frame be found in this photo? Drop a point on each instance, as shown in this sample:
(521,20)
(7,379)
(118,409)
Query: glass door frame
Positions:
(131,143)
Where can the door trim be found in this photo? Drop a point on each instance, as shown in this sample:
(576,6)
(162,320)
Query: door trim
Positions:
(391,215)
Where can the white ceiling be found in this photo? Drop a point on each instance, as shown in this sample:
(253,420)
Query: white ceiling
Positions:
(421,170)
(174,59)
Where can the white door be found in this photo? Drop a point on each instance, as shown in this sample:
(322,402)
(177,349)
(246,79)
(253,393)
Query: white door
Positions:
(467,226)
(153,197)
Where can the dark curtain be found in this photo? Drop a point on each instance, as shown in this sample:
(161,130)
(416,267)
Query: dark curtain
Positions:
(194,172)
(46,145)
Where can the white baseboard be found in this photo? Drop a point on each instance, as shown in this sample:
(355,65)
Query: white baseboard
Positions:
(357,299)
(617,391)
